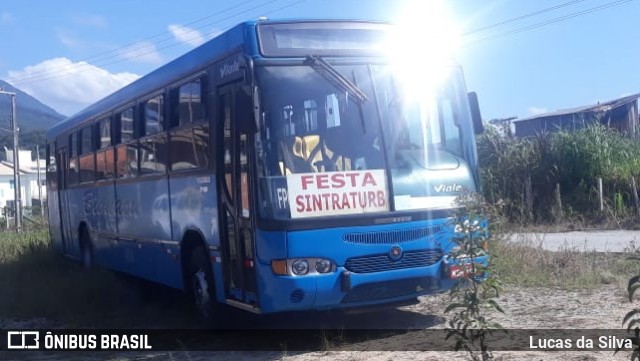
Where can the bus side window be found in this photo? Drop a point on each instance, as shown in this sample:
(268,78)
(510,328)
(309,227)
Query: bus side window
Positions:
(153,154)
(189,135)
(127,148)
(153,147)
(225,111)
(153,110)
(104,156)
(187,104)
(189,148)
(244,178)
(87,159)
(51,167)
(72,163)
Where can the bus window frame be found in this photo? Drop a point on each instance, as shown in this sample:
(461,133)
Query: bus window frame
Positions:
(203,77)
(51,175)
(117,139)
(72,141)
(82,153)
(106,150)
(142,113)
(141,128)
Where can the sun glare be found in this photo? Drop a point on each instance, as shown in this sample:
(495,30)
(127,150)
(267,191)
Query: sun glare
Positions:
(423,45)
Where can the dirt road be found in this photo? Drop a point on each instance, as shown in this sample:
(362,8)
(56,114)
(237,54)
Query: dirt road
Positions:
(600,241)
(525,308)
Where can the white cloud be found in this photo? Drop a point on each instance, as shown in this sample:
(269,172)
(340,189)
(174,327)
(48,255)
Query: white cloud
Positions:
(85,19)
(186,35)
(66,38)
(537,110)
(143,52)
(67,86)
(6,17)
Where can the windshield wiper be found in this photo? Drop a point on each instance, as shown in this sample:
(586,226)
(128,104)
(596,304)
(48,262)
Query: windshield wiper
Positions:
(335,77)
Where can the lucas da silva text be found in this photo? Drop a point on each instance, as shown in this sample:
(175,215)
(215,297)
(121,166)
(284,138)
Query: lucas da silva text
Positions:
(609,342)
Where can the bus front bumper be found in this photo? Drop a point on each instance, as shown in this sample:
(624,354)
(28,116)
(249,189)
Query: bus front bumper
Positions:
(343,289)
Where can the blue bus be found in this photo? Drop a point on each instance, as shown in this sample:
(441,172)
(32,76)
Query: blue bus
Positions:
(280,166)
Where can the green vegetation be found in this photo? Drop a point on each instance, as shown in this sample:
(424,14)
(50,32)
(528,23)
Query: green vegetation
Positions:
(523,173)
(631,320)
(36,282)
(570,268)
(474,297)
(28,140)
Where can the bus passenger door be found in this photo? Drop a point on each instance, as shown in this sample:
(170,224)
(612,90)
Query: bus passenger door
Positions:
(63,198)
(236,231)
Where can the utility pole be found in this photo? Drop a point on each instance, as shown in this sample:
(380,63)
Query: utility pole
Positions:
(39,182)
(16,162)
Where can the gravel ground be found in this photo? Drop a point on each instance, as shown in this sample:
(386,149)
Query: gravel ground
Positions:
(525,308)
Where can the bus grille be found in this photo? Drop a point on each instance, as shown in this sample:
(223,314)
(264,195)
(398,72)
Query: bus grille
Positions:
(390,289)
(381,262)
(391,237)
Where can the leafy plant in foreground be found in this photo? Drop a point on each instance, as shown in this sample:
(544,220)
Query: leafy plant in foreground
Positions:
(632,319)
(474,297)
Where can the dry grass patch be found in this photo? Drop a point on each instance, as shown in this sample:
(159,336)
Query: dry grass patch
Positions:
(528,264)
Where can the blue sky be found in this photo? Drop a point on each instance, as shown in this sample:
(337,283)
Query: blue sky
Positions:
(70,53)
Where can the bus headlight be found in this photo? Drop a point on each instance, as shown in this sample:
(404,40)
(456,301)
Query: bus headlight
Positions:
(323,265)
(300,267)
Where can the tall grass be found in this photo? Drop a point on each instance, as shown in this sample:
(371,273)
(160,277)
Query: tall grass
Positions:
(37,282)
(529,265)
(575,160)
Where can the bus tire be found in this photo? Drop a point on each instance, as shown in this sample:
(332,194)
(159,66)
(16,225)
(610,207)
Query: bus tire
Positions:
(86,249)
(201,288)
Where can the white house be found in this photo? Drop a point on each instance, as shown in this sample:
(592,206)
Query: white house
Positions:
(28,179)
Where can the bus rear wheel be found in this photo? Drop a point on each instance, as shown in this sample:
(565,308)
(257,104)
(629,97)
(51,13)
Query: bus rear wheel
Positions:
(201,288)
(86,249)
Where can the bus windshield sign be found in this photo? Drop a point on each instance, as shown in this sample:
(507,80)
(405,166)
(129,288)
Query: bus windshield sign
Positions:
(337,193)
(336,38)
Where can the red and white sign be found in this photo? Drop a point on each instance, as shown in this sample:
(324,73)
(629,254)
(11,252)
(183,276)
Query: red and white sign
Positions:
(334,193)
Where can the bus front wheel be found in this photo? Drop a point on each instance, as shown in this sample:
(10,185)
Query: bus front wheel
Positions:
(201,286)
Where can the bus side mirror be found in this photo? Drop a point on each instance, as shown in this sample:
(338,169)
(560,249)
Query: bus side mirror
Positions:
(245,113)
(478,127)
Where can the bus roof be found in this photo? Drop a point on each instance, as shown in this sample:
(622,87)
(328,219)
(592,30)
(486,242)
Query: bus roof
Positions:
(241,37)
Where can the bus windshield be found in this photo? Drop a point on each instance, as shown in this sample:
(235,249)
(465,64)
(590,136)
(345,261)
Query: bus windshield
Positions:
(323,150)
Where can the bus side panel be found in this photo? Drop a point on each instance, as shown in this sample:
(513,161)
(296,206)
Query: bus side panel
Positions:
(76,214)
(193,207)
(55,231)
(144,224)
(99,206)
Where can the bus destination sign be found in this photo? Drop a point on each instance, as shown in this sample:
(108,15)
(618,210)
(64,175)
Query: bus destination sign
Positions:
(334,193)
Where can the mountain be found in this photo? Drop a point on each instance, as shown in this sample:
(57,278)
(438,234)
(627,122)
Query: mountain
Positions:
(30,112)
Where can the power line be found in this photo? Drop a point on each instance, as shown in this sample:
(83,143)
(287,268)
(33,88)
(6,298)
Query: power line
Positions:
(64,71)
(551,21)
(116,50)
(542,11)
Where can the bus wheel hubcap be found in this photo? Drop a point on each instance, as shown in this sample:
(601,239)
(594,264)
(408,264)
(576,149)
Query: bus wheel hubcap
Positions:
(201,290)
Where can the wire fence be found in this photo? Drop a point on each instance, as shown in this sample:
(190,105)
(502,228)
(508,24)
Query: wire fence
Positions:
(34,216)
